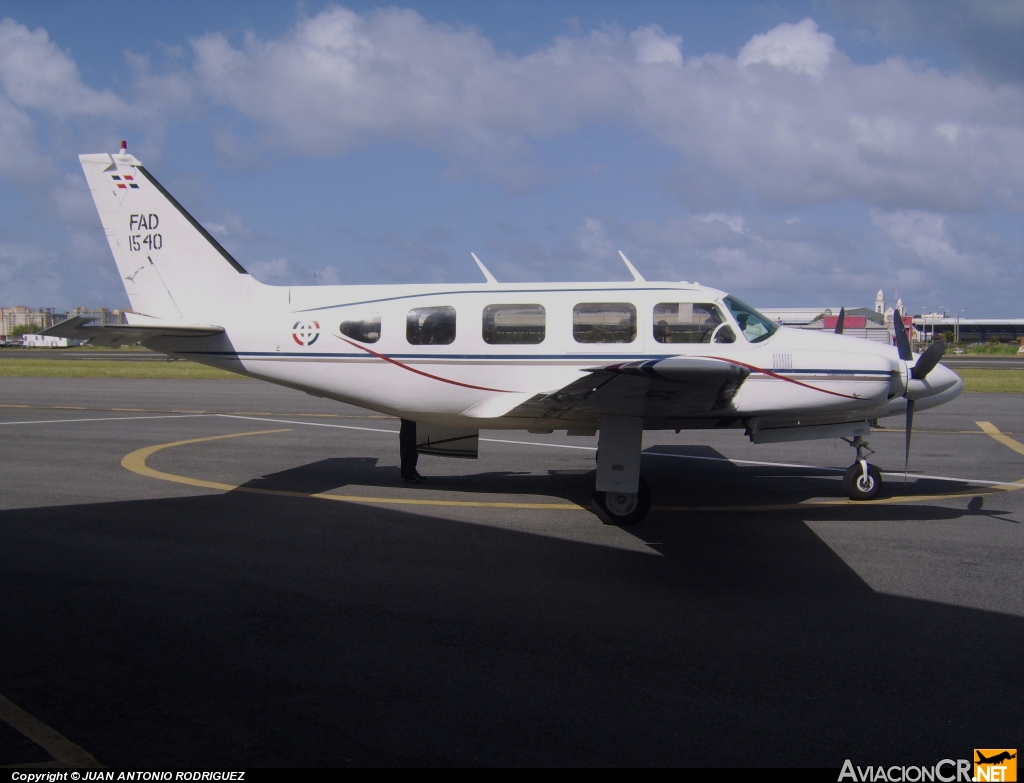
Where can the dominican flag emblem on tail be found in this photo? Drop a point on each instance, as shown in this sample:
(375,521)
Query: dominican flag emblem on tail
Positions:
(124,181)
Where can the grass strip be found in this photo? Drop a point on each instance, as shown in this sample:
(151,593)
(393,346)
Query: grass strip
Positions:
(71,368)
(992,381)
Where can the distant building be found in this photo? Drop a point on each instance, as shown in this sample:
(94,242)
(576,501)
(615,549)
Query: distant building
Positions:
(19,316)
(877,323)
(795,316)
(970,330)
(104,315)
(36,320)
(857,322)
(870,324)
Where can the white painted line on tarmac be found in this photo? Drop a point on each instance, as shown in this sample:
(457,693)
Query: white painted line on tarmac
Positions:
(306,423)
(106,418)
(545,445)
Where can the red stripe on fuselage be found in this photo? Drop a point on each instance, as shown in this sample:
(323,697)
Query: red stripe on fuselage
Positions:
(420,372)
(782,377)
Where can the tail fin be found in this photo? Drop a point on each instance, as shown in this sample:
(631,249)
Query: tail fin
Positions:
(172,269)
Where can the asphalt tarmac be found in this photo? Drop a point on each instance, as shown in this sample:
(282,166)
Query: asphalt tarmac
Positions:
(225,573)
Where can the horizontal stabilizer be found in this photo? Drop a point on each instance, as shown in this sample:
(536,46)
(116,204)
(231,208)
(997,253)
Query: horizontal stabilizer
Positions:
(82,327)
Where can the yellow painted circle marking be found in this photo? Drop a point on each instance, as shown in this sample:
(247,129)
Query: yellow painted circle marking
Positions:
(136,462)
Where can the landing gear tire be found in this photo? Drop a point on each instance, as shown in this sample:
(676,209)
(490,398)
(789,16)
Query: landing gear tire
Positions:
(623,508)
(861,486)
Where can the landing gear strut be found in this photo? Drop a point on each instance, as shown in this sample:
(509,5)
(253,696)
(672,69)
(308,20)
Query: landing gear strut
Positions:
(621,496)
(862,480)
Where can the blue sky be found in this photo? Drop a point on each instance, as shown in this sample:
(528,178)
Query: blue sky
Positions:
(797,154)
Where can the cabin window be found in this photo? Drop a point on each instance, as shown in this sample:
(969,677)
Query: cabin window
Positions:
(365,330)
(430,326)
(685,322)
(514,324)
(755,327)
(604,322)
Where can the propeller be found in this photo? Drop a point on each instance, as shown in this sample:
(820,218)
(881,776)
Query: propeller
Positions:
(902,341)
(925,364)
(841,321)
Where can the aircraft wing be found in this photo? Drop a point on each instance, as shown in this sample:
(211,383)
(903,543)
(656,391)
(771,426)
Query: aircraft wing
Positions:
(82,328)
(659,390)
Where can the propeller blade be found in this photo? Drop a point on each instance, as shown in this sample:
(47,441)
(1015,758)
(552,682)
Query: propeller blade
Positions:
(926,362)
(902,341)
(910,430)
(841,321)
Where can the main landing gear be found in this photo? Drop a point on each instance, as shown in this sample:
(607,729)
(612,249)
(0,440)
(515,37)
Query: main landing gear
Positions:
(623,508)
(621,496)
(862,480)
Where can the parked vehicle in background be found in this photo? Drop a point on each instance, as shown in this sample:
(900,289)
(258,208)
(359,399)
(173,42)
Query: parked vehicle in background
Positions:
(46,341)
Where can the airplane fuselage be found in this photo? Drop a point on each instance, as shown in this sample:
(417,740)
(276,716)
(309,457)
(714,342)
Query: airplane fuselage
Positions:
(293,336)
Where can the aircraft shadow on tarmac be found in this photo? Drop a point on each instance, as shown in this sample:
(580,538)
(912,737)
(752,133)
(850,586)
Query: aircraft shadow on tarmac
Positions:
(705,480)
(240,629)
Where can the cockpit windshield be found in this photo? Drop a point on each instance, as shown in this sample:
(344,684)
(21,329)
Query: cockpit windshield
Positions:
(755,327)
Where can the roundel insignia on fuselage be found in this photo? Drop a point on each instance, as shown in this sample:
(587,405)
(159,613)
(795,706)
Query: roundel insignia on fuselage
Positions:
(305,333)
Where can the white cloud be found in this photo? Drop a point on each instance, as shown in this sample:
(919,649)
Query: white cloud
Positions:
(925,242)
(654,47)
(890,134)
(19,156)
(593,240)
(276,271)
(734,222)
(799,48)
(28,276)
(35,74)
(74,204)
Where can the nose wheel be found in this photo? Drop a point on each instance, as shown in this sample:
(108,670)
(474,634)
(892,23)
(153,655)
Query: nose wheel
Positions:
(862,480)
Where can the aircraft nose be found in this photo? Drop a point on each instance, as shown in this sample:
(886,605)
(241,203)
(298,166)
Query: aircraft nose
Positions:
(941,379)
(940,385)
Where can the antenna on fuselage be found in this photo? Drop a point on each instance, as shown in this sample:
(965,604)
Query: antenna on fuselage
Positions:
(637,277)
(488,275)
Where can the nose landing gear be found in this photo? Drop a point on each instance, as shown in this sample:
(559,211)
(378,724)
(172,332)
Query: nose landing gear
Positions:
(862,480)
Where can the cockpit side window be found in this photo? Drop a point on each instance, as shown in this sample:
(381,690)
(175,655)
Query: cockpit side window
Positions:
(756,328)
(686,322)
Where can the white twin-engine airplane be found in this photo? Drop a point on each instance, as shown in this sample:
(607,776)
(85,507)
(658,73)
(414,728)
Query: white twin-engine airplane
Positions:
(592,357)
